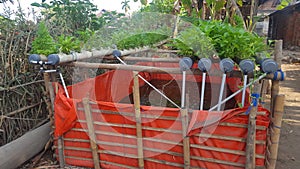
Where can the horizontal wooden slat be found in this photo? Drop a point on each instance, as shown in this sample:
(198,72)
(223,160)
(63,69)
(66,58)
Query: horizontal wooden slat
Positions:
(133,127)
(241,125)
(132,115)
(229,138)
(223,150)
(101,161)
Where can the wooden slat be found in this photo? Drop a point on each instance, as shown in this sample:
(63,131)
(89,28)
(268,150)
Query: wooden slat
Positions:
(164,162)
(223,150)
(133,127)
(229,138)
(137,110)
(104,162)
(91,132)
(149,116)
(217,161)
(241,125)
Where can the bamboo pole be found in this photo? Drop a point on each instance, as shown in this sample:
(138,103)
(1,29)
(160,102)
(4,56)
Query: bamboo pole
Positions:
(250,147)
(275,131)
(137,109)
(91,132)
(146,59)
(275,83)
(15,153)
(186,139)
(151,69)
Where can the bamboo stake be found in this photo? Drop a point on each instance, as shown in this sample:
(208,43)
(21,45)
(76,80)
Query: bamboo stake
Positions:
(137,108)
(275,131)
(91,132)
(186,139)
(275,83)
(251,145)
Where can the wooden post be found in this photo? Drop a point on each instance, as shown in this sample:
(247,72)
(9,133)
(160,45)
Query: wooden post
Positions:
(250,147)
(137,106)
(275,131)
(186,139)
(91,132)
(275,83)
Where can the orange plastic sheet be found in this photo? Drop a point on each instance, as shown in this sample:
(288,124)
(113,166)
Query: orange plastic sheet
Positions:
(114,125)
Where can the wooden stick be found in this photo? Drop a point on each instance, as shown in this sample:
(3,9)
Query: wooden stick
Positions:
(217,161)
(224,150)
(250,147)
(275,130)
(104,162)
(241,125)
(133,126)
(22,85)
(275,83)
(137,109)
(186,139)
(229,138)
(92,136)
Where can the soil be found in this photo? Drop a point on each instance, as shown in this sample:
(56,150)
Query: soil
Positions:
(289,145)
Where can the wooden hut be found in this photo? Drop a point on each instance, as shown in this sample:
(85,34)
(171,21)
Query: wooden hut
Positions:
(284,24)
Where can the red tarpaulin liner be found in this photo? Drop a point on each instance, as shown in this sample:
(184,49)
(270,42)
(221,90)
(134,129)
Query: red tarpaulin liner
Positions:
(108,89)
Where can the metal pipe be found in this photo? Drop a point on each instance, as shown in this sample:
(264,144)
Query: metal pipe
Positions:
(244,90)
(221,91)
(153,87)
(183,89)
(237,92)
(202,90)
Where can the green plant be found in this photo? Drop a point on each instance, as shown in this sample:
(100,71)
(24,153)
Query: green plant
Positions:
(67,44)
(193,42)
(140,40)
(69,16)
(43,43)
(233,42)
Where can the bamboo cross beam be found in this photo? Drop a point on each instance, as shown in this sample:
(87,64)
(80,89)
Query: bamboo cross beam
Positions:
(137,109)
(151,69)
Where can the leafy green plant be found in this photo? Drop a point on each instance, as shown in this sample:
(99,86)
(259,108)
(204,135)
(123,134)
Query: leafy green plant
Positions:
(193,42)
(139,40)
(233,42)
(67,44)
(69,16)
(43,43)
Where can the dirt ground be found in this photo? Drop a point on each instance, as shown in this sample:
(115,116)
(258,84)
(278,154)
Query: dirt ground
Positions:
(289,145)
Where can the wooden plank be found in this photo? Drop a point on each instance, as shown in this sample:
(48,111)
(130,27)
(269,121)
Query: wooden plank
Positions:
(251,145)
(137,109)
(17,152)
(91,132)
(275,131)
